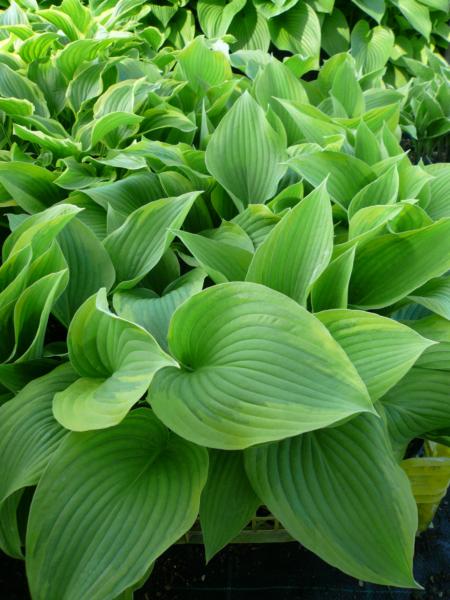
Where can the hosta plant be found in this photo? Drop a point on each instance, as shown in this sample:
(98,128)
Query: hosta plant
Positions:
(222,287)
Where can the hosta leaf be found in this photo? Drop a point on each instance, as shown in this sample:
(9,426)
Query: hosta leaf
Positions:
(140,242)
(31,313)
(86,85)
(437,329)
(372,220)
(384,190)
(257,220)
(417,404)
(434,295)
(202,66)
(381,349)
(39,230)
(153,312)
(78,243)
(116,361)
(335,33)
(16,107)
(14,85)
(58,146)
(275,80)
(250,30)
(215,16)
(37,46)
(391,266)
(341,186)
(29,432)
(76,53)
(374,8)
(245,154)
(416,14)
(106,124)
(142,485)
(228,501)
(297,30)
(31,186)
(330,290)
(255,366)
(298,249)
(366,145)
(340,492)
(347,91)
(10,539)
(371,48)
(222,261)
(439,205)
(128,194)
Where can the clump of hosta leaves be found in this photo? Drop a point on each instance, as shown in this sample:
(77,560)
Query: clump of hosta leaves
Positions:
(222,286)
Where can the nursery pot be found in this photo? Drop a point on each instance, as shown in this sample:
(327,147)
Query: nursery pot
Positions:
(429,476)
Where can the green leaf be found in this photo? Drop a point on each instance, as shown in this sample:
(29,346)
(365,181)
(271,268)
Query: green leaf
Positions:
(347,91)
(340,492)
(330,290)
(79,244)
(10,539)
(16,107)
(416,405)
(245,154)
(439,205)
(347,174)
(228,501)
(39,230)
(298,249)
(250,30)
(390,267)
(297,31)
(142,485)
(153,312)
(434,295)
(31,313)
(116,361)
(140,242)
(335,33)
(437,329)
(31,186)
(381,191)
(255,367)
(371,48)
(222,261)
(128,194)
(416,14)
(202,66)
(29,434)
(381,349)
(215,16)
(14,85)
(85,86)
(374,8)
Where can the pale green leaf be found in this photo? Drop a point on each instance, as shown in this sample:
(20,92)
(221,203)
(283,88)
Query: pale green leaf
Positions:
(153,312)
(255,367)
(340,492)
(245,154)
(116,361)
(228,501)
(298,249)
(391,266)
(142,485)
(381,349)
(140,242)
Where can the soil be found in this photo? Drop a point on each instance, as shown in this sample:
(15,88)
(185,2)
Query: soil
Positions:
(284,571)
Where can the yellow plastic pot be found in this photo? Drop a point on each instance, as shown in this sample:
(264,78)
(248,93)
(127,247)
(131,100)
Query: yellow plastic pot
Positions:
(430,478)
